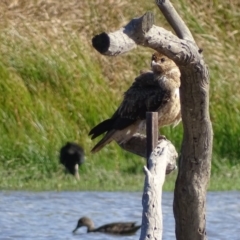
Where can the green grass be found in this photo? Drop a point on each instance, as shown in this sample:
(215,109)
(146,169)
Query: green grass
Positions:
(55,87)
(103,180)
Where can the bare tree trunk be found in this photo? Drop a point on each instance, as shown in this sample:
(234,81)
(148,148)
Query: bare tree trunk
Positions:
(152,224)
(195,160)
(161,161)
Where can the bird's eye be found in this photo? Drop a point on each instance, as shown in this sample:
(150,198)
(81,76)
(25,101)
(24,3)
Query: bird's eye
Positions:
(154,57)
(162,60)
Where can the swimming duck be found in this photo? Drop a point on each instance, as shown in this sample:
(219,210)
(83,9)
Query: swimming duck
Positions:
(118,228)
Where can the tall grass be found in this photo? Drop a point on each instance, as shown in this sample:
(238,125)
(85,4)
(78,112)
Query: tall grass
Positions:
(55,87)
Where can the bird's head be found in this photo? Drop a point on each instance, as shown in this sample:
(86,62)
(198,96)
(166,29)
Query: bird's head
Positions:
(161,64)
(84,222)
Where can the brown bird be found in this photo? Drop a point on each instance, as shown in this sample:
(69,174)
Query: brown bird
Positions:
(156,90)
(119,228)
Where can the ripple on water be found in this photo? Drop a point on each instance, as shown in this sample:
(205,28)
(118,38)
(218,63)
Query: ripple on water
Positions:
(53,215)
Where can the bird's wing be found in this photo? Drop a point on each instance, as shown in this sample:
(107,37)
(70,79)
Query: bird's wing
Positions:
(101,128)
(118,227)
(144,95)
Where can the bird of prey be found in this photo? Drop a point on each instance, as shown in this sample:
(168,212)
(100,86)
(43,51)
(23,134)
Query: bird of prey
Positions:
(118,228)
(72,156)
(152,91)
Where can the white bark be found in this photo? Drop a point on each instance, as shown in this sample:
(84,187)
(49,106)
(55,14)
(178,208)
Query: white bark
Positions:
(152,194)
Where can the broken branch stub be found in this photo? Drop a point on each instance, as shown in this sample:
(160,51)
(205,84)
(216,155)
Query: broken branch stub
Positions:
(141,31)
(125,38)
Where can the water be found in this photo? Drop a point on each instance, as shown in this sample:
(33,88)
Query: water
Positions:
(53,215)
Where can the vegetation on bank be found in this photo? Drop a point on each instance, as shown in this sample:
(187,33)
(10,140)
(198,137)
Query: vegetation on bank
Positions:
(55,87)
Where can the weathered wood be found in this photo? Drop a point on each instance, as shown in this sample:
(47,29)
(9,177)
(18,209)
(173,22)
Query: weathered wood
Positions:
(134,33)
(158,158)
(195,160)
(152,194)
(137,145)
(196,152)
(152,132)
(125,38)
(174,20)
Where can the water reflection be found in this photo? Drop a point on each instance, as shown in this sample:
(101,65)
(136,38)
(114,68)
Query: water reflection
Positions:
(53,215)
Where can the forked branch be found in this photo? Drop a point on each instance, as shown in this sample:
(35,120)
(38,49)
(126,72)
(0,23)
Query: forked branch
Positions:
(174,20)
(141,31)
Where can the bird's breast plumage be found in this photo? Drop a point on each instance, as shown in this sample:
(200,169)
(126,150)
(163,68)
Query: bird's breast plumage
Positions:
(170,113)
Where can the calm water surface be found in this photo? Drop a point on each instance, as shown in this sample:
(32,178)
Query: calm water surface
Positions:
(53,215)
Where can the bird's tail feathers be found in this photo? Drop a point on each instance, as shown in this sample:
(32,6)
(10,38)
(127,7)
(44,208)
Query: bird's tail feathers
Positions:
(104,141)
(101,128)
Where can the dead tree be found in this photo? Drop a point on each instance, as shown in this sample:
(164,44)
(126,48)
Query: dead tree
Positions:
(196,150)
(161,161)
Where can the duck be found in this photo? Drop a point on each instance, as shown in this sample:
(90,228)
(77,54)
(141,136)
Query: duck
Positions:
(116,228)
(72,156)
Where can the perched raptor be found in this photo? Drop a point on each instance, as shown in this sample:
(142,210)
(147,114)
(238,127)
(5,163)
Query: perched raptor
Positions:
(156,90)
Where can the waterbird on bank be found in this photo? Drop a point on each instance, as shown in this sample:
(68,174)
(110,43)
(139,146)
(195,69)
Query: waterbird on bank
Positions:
(72,156)
(117,228)
(156,90)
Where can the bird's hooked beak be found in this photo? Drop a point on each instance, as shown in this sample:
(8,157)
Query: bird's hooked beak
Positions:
(76,172)
(155,66)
